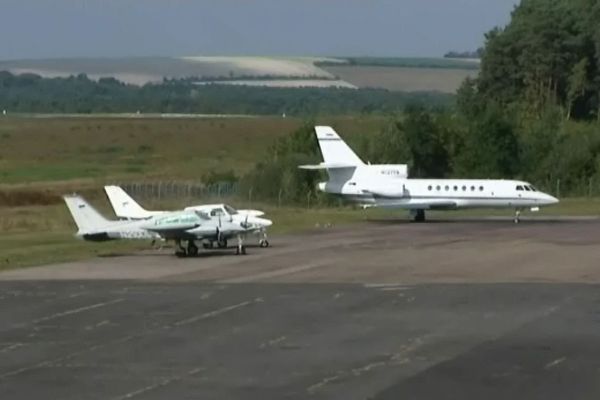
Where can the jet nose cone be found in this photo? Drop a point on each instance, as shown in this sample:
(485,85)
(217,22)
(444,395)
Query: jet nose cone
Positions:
(550,200)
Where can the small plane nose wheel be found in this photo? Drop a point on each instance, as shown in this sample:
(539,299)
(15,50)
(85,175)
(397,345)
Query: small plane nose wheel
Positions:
(264,242)
(240,249)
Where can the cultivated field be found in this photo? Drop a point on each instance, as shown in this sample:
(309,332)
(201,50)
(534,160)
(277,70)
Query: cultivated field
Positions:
(141,70)
(408,79)
(393,73)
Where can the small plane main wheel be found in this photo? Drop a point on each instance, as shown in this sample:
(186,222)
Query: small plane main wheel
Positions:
(192,251)
(264,243)
(222,243)
(180,253)
(207,245)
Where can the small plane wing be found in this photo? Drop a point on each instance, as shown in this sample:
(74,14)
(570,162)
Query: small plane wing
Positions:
(327,166)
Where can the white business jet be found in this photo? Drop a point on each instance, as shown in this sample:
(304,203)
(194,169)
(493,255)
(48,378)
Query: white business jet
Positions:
(126,207)
(389,185)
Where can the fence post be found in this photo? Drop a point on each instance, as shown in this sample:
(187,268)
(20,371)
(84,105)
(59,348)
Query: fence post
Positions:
(250,196)
(590,187)
(279,198)
(558,188)
(308,199)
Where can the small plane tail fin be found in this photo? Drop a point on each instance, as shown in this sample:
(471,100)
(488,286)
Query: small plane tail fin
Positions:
(334,149)
(85,216)
(124,205)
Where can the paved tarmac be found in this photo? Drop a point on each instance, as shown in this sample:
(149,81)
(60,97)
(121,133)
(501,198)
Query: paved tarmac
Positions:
(383,310)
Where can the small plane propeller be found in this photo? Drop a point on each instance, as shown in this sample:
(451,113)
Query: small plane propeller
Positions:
(245,224)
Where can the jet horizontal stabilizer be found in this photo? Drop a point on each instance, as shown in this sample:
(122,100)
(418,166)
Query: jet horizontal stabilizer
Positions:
(327,166)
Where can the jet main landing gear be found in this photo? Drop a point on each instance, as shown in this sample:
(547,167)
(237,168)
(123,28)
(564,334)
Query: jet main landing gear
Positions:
(418,215)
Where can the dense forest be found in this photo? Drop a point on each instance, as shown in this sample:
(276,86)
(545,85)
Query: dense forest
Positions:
(28,93)
(533,114)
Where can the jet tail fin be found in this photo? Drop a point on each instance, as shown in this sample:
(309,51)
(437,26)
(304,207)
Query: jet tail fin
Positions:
(124,205)
(85,216)
(334,149)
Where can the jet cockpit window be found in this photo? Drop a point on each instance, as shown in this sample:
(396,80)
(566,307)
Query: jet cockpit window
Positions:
(527,188)
(202,215)
(533,188)
(230,210)
(519,188)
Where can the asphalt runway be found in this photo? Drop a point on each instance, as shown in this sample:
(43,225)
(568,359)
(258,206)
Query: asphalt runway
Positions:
(381,310)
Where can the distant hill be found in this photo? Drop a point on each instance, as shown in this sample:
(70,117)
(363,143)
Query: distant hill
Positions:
(391,73)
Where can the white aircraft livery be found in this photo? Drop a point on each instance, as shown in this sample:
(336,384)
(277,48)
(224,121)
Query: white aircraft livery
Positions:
(389,185)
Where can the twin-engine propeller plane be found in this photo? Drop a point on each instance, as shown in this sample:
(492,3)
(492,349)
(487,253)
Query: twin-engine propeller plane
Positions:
(183,226)
(127,208)
(389,185)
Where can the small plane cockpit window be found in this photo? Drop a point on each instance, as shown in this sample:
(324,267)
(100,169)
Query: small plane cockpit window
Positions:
(230,210)
(202,215)
(519,188)
(215,212)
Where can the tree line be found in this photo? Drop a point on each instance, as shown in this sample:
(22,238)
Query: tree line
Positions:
(29,93)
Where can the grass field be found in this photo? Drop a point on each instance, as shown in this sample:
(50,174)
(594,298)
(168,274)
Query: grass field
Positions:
(406,79)
(97,150)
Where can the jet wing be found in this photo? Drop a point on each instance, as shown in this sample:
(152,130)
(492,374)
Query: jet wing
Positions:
(425,204)
(442,204)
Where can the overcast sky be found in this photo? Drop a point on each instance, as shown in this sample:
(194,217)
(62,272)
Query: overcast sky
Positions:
(90,28)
